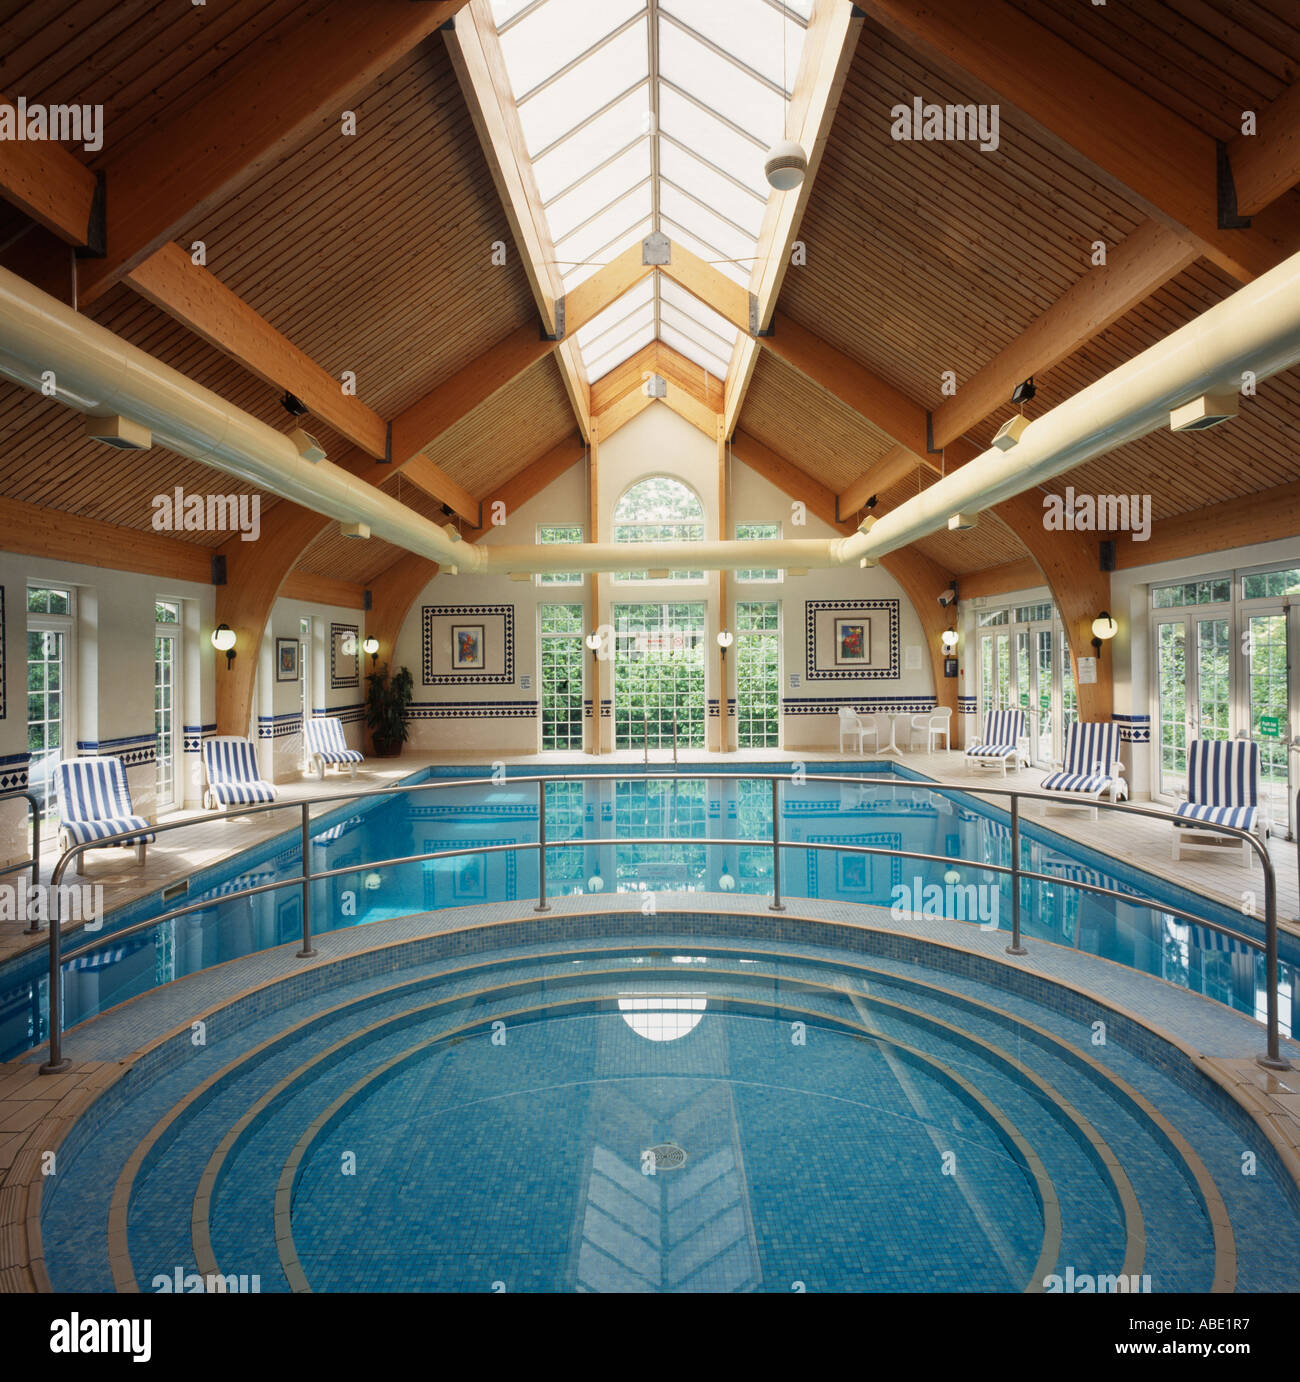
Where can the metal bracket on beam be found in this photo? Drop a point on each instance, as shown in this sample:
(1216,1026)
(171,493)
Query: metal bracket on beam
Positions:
(558,334)
(755,325)
(1226,191)
(218,568)
(930,448)
(96,246)
(656,249)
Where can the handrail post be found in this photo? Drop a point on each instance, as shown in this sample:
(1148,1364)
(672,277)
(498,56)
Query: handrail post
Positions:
(777,905)
(542,904)
(1272,1059)
(57,1061)
(308,950)
(33,923)
(1015,948)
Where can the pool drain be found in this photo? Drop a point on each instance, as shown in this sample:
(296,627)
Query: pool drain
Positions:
(668,1156)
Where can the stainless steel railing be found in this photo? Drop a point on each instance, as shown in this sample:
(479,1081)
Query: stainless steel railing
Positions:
(34,863)
(1272,1057)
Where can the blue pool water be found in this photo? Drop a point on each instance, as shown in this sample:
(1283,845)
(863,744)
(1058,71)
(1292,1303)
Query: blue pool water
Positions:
(584,1106)
(599,809)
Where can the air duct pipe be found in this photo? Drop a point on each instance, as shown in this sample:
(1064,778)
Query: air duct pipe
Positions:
(50,348)
(1256,330)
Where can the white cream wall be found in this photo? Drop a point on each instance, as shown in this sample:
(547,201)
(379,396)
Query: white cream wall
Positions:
(278,717)
(112,674)
(496,718)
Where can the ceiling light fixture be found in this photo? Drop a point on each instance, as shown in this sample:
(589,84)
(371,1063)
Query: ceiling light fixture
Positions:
(1104,628)
(292,405)
(1024,391)
(223,640)
(786,164)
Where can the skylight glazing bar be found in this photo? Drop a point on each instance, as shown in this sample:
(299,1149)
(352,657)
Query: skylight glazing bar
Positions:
(581,58)
(613,326)
(595,115)
(709,110)
(670,225)
(712,210)
(520,16)
(693,326)
(591,172)
(774,87)
(601,210)
(604,249)
(792,15)
(709,163)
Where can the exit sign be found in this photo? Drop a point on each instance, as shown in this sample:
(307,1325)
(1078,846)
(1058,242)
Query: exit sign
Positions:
(1270,727)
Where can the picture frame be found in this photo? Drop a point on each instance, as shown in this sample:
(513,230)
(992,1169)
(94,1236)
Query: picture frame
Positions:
(288,659)
(852,642)
(345,656)
(853,873)
(467,651)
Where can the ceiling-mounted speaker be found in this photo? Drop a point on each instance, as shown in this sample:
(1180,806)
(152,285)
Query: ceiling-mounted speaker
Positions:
(1107,549)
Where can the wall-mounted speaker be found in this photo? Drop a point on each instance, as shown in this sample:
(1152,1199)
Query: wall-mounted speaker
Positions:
(1107,551)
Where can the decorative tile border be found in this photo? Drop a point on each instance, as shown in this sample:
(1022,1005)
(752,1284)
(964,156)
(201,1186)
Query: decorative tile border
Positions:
(429,613)
(348,714)
(135,750)
(812,608)
(1133,729)
(194,735)
(13,772)
(474,710)
(279,726)
(340,635)
(967,705)
(831,705)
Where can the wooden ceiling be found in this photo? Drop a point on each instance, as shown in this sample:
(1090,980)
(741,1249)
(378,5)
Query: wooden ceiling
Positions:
(373,253)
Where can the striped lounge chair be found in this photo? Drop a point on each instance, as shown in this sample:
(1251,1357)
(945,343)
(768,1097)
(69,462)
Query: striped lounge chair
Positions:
(324,744)
(1222,789)
(94,801)
(1091,765)
(232,773)
(1000,742)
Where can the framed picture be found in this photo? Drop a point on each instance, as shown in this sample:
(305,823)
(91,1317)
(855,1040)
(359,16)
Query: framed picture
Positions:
(852,642)
(469,878)
(286,659)
(345,661)
(852,872)
(467,647)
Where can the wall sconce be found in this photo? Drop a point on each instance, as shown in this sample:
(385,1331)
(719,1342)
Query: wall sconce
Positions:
(725,639)
(371,645)
(949,639)
(1104,628)
(223,640)
(593,642)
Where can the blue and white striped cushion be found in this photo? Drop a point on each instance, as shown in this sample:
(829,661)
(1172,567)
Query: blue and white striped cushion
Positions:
(1076,782)
(1091,748)
(324,739)
(1243,817)
(233,776)
(1223,772)
(94,800)
(1003,730)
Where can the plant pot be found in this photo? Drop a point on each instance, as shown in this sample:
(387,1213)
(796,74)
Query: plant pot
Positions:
(387,748)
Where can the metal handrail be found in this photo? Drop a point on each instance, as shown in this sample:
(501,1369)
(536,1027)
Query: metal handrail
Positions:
(34,863)
(1272,1059)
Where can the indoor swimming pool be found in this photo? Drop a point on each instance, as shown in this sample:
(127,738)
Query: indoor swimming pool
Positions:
(586,817)
(579,1104)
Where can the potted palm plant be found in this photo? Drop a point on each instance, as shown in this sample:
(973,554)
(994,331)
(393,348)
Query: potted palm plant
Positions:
(387,700)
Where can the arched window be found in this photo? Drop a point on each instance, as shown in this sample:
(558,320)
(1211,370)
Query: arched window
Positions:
(659,509)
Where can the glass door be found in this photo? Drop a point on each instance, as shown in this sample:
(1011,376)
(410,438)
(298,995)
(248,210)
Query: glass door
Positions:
(1268,710)
(1193,688)
(659,675)
(1172,721)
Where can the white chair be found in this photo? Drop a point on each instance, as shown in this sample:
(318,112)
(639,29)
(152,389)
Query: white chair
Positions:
(325,745)
(233,775)
(999,744)
(935,724)
(852,723)
(1222,789)
(94,801)
(1091,765)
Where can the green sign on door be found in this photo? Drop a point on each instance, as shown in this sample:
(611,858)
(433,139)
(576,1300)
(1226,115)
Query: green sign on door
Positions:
(1270,726)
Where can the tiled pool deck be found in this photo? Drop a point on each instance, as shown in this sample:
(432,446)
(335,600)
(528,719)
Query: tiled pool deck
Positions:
(37,1111)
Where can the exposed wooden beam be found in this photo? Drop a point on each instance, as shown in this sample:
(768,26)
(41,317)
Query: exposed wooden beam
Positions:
(743,360)
(701,279)
(1266,164)
(824,64)
(322,590)
(480,68)
(1265,516)
(36,531)
(705,388)
(52,186)
(392,593)
(701,418)
(623,378)
(604,287)
(853,384)
(469,387)
(1001,580)
(291,83)
(892,468)
(1161,158)
(39,256)
(172,281)
(1134,269)
(437,484)
(619,414)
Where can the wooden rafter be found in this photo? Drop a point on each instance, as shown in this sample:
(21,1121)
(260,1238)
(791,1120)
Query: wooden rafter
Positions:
(298,79)
(56,192)
(1129,136)
(1266,164)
